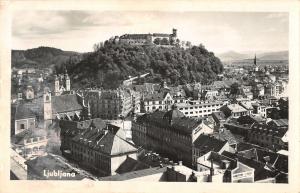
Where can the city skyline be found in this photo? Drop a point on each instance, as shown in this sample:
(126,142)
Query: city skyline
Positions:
(218,31)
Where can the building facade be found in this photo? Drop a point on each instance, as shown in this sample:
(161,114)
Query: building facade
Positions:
(200,108)
(168,133)
(113,104)
(102,150)
(147,39)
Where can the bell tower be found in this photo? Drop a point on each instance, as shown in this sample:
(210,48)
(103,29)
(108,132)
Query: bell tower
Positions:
(68,82)
(47,107)
(56,86)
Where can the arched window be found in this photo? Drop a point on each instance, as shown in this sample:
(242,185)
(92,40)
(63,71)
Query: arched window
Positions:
(47,98)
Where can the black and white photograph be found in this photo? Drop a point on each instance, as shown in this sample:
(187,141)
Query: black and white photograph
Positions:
(150,96)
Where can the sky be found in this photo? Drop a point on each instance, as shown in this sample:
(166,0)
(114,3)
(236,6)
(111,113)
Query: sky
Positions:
(217,31)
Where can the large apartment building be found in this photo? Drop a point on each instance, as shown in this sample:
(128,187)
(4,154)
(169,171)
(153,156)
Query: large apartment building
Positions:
(113,104)
(168,133)
(200,108)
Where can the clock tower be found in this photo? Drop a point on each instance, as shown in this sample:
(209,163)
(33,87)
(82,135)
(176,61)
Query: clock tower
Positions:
(47,107)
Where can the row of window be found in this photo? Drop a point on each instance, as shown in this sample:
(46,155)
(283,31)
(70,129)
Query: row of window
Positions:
(204,106)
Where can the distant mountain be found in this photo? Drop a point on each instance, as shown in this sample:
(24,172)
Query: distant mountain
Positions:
(42,57)
(282,55)
(234,56)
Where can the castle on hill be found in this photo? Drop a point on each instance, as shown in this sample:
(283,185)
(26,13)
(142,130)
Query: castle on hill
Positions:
(163,39)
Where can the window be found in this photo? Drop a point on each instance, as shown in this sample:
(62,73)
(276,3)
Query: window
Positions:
(22,126)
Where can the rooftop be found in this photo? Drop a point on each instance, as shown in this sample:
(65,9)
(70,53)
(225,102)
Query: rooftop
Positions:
(208,143)
(22,111)
(108,140)
(236,108)
(135,174)
(173,119)
(49,162)
(66,103)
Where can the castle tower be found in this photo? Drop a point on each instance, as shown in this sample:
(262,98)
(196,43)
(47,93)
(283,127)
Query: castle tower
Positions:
(174,32)
(56,86)
(68,82)
(47,107)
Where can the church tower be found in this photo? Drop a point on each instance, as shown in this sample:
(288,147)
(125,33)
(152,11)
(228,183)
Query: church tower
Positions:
(255,64)
(56,86)
(47,107)
(68,82)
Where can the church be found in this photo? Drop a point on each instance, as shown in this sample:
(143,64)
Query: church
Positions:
(65,104)
(62,84)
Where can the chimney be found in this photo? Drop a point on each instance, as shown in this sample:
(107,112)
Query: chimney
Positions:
(180,163)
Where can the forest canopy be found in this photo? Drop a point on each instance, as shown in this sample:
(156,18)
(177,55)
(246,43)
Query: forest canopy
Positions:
(112,63)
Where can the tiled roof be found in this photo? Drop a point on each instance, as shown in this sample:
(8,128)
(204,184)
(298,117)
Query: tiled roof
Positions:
(130,165)
(275,160)
(226,135)
(155,96)
(278,161)
(208,143)
(135,174)
(106,141)
(247,105)
(160,35)
(218,115)
(134,36)
(260,173)
(236,108)
(66,103)
(246,146)
(22,111)
(177,122)
(281,122)
(268,130)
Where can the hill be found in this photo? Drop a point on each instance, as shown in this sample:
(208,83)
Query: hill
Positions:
(282,55)
(236,56)
(113,63)
(42,57)
(232,55)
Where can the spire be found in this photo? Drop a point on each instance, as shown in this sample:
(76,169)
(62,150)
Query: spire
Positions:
(89,110)
(255,59)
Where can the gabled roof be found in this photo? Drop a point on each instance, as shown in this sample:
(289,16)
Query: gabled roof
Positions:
(218,115)
(130,165)
(226,135)
(260,173)
(107,141)
(208,143)
(22,111)
(235,108)
(157,96)
(172,119)
(280,122)
(66,103)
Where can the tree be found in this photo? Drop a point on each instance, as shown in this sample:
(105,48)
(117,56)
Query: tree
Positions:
(234,88)
(156,41)
(97,46)
(165,41)
(188,44)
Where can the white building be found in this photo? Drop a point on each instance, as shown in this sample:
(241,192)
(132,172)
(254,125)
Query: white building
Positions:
(200,108)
